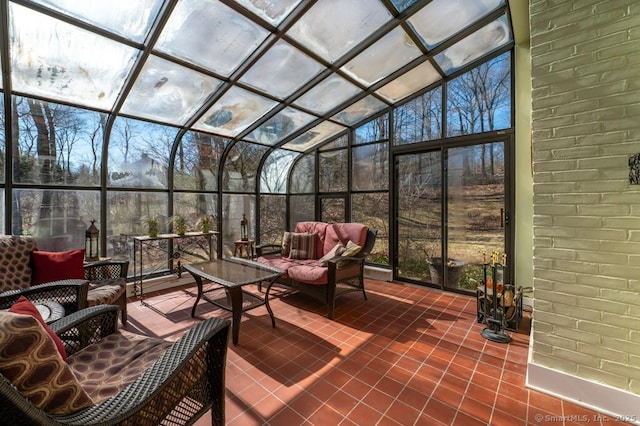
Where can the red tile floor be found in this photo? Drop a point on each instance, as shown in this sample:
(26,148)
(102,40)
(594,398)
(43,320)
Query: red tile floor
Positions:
(405,356)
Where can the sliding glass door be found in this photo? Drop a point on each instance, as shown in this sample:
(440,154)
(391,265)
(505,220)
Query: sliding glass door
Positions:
(451,214)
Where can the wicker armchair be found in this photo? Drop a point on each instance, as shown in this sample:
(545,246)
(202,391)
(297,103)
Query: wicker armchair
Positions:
(182,381)
(107,279)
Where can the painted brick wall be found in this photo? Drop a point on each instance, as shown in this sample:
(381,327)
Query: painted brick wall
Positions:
(585,59)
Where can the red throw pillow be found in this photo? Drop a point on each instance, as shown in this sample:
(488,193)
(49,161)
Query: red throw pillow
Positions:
(50,266)
(25,307)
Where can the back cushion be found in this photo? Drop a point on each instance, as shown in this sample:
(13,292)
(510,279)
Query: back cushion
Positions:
(15,268)
(29,360)
(318,228)
(343,233)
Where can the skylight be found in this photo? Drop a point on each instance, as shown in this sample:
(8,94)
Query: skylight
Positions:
(282,73)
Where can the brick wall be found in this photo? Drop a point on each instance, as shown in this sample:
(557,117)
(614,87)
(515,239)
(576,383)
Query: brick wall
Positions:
(585,68)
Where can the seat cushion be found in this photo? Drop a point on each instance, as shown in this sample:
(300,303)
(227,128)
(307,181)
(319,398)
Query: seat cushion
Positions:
(30,360)
(51,266)
(108,366)
(15,265)
(105,292)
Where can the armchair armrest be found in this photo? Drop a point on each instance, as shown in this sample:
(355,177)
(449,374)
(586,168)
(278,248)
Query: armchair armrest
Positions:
(72,294)
(185,381)
(106,269)
(262,249)
(86,326)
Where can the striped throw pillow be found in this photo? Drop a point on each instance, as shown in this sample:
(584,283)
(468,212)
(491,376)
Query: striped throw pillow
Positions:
(303,246)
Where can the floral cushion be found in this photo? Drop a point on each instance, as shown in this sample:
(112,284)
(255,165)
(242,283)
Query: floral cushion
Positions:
(108,366)
(30,361)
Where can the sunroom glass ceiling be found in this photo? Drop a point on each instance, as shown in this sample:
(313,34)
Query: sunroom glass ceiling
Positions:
(286,73)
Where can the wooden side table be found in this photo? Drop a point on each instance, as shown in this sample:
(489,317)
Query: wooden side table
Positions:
(243,248)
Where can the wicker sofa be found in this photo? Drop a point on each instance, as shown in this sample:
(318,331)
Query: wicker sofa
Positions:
(323,271)
(107,279)
(110,377)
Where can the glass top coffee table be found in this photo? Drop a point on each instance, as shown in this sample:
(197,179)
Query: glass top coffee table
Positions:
(231,275)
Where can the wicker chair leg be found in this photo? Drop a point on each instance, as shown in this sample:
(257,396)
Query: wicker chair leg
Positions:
(122,302)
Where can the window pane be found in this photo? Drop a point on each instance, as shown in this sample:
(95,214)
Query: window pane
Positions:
(210,34)
(333,171)
(314,136)
(272,11)
(488,38)
(168,92)
(3,213)
(126,217)
(139,154)
(419,120)
(301,208)
(370,167)
(64,62)
(280,126)
(234,112)
(282,70)
(458,14)
(3,144)
(57,218)
(332,210)
(410,82)
(333,27)
(193,206)
(396,48)
(373,211)
(302,177)
(275,171)
(360,110)
(339,142)
(233,207)
(57,144)
(197,161)
(373,131)
(130,19)
(328,94)
(273,215)
(240,167)
(480,100)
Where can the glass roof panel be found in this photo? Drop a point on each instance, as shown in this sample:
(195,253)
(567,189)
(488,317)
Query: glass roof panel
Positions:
(282,70)
(130,19)
(360,110)
(402,4)
(329,93)
(63,62)
(488,38)
(384,57)
(280,126)
(168,92)
(273,11)
(333,27)
(314,136)
(209,34)
(410,82)
(234,112)
(458,14)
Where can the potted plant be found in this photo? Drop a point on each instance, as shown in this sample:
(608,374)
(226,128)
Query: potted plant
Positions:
(153,226)
(179,224)
(204,223)
(436,269)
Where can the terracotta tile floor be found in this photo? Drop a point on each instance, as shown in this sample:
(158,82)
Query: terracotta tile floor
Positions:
(406,356)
